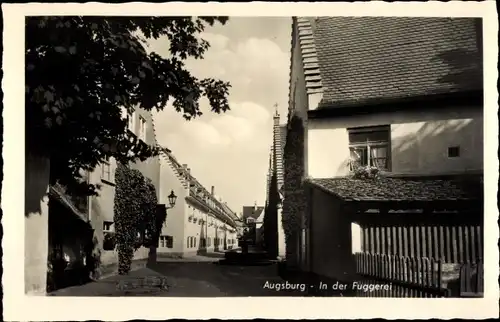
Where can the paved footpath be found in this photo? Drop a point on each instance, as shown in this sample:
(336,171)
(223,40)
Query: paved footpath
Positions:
(180,278)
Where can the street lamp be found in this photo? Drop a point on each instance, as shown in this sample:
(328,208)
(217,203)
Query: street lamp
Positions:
(172,198)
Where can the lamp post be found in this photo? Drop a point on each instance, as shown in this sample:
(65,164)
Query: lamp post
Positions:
(172,198)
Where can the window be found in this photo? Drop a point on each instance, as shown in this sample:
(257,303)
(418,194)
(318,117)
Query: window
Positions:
(370,146)
(131,121)
(106,174)
(453,152)
(129,116)
(189,242)
(167,241)
(142,128)
(194,242)
(107,226)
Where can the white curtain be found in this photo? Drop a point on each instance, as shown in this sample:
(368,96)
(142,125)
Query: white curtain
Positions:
(358,156)
(379,157)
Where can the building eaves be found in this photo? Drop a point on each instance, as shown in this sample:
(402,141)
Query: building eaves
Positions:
(388,189)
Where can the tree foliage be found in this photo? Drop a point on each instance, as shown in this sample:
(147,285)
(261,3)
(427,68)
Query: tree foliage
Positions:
(294,204)
(134,214)
(80,72)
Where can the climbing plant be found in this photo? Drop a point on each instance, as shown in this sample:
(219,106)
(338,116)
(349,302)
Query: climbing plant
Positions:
(294,203)
(150,203)
(134,213)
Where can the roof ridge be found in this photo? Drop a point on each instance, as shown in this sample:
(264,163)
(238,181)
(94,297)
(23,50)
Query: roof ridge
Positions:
(153,127)
(187,178)
(174,165)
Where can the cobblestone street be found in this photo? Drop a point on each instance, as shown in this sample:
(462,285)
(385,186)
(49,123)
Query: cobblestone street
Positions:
(202,278)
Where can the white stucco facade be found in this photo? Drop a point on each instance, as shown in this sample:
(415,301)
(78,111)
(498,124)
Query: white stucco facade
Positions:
(419,141)
(191,227)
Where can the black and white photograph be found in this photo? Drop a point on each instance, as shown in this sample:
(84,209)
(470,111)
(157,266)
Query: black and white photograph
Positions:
(201,156)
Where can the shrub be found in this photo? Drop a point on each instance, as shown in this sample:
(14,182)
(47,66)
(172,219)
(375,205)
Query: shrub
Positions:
(134,212)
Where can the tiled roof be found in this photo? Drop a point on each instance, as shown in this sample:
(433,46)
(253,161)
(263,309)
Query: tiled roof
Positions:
(189,181)
(248,211)
(283,131)
(398,189)
(362,59)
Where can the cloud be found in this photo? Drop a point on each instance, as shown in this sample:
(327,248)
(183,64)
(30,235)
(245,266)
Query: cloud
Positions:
(217,42)
(230,150)
(245,124)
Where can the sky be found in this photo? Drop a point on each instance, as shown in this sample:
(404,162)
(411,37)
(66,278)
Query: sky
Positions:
(231,150)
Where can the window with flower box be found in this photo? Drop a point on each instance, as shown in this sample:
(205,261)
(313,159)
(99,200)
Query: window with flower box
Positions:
(370,146)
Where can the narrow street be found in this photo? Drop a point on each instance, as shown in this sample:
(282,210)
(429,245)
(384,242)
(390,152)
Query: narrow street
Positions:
(196,277)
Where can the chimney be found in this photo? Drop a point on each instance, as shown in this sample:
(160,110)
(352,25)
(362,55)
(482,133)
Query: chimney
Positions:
(186,169)
(213,191)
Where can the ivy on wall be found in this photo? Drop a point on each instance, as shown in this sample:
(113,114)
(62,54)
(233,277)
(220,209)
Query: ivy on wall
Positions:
(135,214)
(294,204)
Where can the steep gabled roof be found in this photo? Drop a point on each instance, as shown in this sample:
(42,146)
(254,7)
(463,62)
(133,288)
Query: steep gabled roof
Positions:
(280,157)
(355,60)
(283,132)
(276,155)
(252,212)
